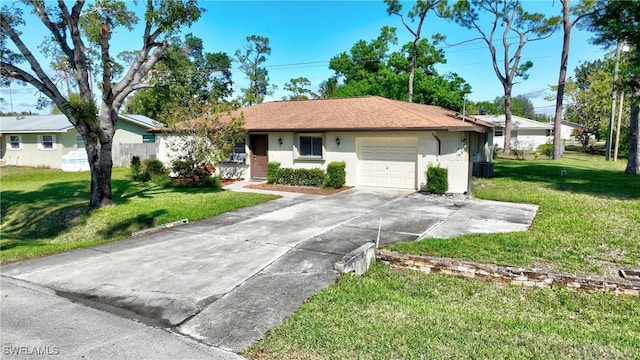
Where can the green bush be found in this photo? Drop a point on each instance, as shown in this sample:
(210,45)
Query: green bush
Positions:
(144,171)
(308,177)
(437,179)
(336,175)
(162,180)
(284,176)
(154,167)
(182,169)
(136,165)
(272,172)
(295,177)
(211,182)
(546,149)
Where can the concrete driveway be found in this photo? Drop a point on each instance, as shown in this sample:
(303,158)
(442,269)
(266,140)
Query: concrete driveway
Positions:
(227,280)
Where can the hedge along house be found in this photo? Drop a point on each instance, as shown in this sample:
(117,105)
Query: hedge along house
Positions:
(384,143)
(47,140)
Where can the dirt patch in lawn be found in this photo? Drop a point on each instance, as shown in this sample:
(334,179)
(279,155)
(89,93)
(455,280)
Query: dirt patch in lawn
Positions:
(297,189)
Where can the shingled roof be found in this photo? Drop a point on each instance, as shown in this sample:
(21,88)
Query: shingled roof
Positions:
(370,113)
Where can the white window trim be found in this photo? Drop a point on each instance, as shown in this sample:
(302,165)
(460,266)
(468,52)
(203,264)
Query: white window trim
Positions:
(307,157)
(41,142)
(20,143)
(496,130)
(149,135)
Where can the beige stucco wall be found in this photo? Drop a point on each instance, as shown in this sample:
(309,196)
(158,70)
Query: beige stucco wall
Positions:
(454,154)
(127,133)
(30,155)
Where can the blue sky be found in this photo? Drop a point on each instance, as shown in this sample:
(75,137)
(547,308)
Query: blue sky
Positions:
(305,35)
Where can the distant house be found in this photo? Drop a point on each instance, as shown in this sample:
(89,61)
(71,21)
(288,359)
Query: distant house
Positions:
(570,130)
(384,143)
(51,140)
(526,134)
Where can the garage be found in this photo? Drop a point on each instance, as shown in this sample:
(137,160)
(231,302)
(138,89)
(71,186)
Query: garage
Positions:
(387,162)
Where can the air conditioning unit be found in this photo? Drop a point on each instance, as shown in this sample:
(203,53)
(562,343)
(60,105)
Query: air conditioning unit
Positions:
(483,169)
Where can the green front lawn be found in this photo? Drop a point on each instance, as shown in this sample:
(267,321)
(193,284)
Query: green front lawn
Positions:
(588,222)
(45,211)
(391,314)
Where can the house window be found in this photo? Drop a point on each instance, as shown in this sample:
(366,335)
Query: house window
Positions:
(310,146)
(79,142)
(498,132)
(15,142)
(148,138)
(238,154)
(46,142)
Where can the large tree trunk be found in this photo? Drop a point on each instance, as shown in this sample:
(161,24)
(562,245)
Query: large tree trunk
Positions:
(506,150)
(564,58)
(100,161)
(633,163)
(101,158)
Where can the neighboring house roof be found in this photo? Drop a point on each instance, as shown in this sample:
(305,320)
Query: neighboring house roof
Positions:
(34,124)
(572,124)
(57,123)
(370,113)
(517,122)
(141,120)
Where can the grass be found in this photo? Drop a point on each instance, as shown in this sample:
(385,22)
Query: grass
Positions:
(587,222)
(45,211)
(390,314)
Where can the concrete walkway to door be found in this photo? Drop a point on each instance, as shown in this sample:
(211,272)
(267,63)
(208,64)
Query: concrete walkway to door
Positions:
(227,280)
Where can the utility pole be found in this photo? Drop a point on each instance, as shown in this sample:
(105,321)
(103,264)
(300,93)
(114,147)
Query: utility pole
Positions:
(613,104)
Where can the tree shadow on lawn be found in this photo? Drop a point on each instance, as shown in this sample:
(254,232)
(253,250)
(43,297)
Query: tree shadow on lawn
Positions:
(53,208)
(126,227)
(597,182)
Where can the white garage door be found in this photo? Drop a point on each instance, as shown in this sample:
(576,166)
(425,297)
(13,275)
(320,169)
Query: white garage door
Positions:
(387,162)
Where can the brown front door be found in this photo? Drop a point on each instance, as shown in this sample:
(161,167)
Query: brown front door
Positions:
(258,145)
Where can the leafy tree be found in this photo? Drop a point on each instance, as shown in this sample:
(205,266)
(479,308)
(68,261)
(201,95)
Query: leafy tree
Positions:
(418,11)
(205,139)
(581,10)
(482,108)
(184,72)
(74,32)
(251,59)
(299,89)
(619,21)
(520,106)
(369,69)
(588,97)
(327,88)
(514,21)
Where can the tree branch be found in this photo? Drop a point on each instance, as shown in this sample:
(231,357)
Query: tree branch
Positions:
(59,36)
(43,80)
(78,57)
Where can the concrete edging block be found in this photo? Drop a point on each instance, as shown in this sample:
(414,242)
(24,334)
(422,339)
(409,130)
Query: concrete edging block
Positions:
(358,260)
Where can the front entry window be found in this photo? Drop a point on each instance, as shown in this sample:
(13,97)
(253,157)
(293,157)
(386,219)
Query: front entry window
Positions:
(310,146)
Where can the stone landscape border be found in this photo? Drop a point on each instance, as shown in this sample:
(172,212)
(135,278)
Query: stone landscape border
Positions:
(506,274)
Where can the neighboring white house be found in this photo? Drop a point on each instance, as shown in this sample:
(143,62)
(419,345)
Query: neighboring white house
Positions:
(526,134)
(51,140)
(569,131)
(384,143)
